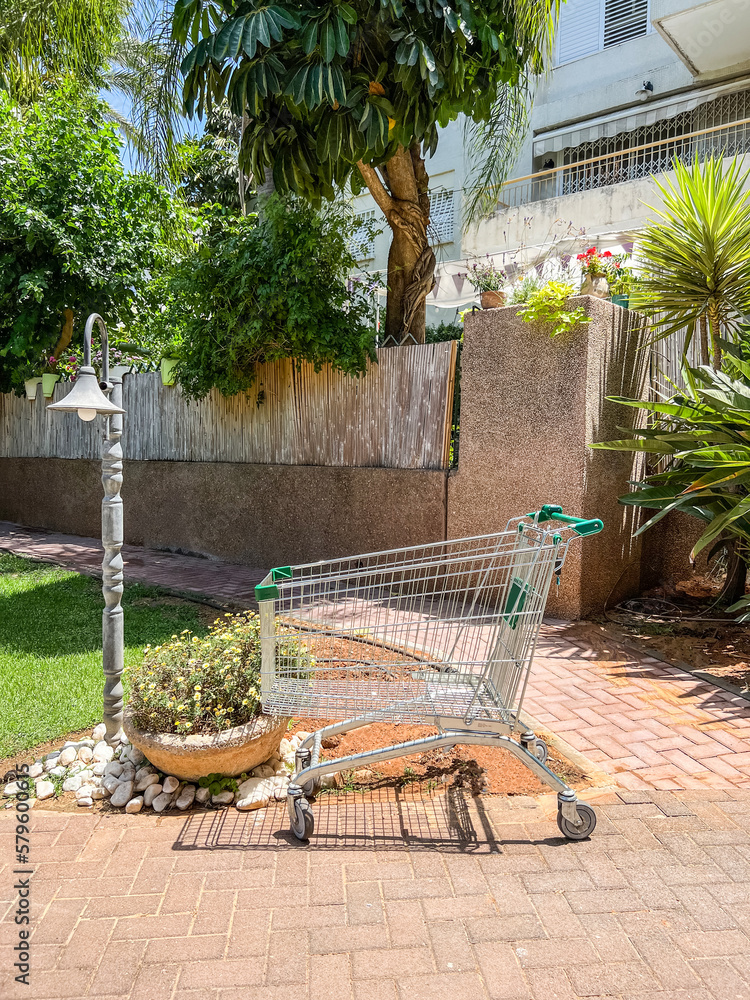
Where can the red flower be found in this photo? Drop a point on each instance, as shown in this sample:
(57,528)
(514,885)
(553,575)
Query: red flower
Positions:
(606,254)
(591,250)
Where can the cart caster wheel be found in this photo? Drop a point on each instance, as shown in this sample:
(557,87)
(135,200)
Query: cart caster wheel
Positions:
(311,788)
(588,822)
(541,751)
(301,815)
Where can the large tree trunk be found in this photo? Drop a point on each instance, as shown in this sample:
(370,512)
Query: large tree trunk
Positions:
(401,191)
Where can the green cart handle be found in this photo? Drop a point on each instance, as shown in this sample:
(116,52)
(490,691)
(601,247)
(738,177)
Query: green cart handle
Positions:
(581,525)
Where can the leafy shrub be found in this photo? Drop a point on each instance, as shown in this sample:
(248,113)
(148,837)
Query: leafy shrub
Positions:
(548,304)
(76,231)
(255,290)
(204,685)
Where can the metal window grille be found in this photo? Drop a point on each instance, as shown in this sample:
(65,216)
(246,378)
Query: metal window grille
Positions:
(361,241)
(441,217)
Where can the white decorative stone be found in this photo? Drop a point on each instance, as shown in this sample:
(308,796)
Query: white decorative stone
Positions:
(102,751)
(59,771)
(85,754)
(285,748)
(35,770)
(122,794)
(99,732)
(72,784)
(68,755)
(202,795)
(114,768)
(254,793)
(171,784)
(161,802)
(85,792)
(99,768)
(146,780)
(151,793)
(86,801)
(135,805)
(51,762)
(143,771)
(280,788)
(124,741)
(263,771)
(295,741)
(11,788)
(86,775)
(44,789)
(186,797)
(302,735)
(136,756)
(225,798)
(99,793)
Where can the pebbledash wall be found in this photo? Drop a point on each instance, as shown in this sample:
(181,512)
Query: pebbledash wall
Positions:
(530,406)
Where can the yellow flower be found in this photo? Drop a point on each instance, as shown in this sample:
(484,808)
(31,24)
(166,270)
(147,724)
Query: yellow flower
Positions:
(180,708)
(197,687)
(174,636)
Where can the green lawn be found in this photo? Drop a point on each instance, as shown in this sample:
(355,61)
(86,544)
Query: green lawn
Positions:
(50,647)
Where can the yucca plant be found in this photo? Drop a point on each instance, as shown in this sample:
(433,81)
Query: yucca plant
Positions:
(706,431)
(694,259)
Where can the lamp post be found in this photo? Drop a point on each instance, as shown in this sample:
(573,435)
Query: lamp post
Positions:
(87,399)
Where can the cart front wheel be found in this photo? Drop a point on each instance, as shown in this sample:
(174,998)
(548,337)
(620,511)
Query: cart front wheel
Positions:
(588,821)
(302,819)
(541,751)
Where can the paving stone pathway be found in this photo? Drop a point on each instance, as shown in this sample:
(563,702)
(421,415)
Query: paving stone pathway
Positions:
(417,897)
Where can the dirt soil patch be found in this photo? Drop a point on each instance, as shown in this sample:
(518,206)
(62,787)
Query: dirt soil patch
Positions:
(478,769)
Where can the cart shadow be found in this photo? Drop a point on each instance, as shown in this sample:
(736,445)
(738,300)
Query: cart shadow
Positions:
(452,821)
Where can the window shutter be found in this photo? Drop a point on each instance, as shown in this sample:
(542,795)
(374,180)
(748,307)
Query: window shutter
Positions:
(624,19)
(441,218)
(579,29)
(361,242)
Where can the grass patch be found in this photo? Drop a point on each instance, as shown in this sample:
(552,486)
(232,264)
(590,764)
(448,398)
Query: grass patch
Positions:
(51,676)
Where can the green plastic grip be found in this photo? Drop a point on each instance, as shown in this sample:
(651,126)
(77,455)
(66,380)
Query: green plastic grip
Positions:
(581,525)
(270,592)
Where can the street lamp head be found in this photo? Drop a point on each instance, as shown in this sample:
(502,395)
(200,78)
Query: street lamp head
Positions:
(86,398)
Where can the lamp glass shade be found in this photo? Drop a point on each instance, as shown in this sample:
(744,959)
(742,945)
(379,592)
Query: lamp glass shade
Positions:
(86,395)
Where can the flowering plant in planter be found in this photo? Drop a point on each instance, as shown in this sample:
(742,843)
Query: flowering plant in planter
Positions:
(195,685)
(597,264)
(485,277)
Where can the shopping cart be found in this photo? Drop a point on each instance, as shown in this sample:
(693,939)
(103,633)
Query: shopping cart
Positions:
(441,635)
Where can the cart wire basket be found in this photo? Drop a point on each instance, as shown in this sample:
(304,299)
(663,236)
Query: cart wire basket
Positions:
(440,634)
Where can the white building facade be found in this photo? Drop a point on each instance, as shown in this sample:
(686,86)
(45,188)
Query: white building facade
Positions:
(634,83)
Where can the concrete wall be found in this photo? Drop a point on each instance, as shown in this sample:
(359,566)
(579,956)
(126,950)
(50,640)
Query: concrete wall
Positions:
(530,406)
(261,515)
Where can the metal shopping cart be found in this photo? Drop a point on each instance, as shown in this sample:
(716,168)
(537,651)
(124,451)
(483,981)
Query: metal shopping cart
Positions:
(440,634)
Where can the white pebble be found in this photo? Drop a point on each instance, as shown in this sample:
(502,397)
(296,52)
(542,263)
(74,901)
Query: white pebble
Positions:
(143,771)
(124,741)
(68,755)
(186,797)
(85,792)
(72,784)
(35,770)
(103,752)
(86,801)
(152,792)
(99,793)
(99,768)
(122,794)
(44,789)
(99,732)
(11,788)
(225,798)
(146,780)
(285,748)
(85,754)
(302,735)
(171,784)
(161,802)
(202,795)
(254,793)
(58,772)
(110,783)
(135,805)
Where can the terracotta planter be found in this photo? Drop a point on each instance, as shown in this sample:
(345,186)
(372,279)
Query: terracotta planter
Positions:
(228,753)
(31,385)
(48,384)
(492,300)
(167,370)
(596,285)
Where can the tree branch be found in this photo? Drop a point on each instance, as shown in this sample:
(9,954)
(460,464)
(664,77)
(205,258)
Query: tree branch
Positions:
(376,188)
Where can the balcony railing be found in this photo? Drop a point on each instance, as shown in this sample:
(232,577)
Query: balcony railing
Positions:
(625,164)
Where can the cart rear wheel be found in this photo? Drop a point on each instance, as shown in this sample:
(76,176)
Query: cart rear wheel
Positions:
(311,788)
(541,751)
(301,815)
(588,822)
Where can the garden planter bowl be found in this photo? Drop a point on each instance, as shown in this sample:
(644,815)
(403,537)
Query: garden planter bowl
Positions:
(167,370)
(48,384)
(492,300)
(229,753)
(31,385)
(596,285)
(621,300)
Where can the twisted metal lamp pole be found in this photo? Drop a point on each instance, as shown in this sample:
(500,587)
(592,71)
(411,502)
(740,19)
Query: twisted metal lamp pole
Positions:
(87,399)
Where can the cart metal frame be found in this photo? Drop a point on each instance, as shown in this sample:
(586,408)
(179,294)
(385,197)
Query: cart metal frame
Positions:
(485,720)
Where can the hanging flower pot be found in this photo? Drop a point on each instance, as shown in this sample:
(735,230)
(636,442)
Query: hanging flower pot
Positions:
(596,285)
(167,370)
(48,383)
(117,371)
(492,299)
(31,385)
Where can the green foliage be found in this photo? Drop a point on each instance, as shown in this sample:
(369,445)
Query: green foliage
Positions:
(522,291)
(548,304)
(76,232)
(443,331)
(216,783)
(694,260)
(255,290)
(209,172)
(328,84)
(705,431)
(50,647)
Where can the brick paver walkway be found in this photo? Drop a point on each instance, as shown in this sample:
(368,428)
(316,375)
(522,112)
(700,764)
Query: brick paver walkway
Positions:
(442,899)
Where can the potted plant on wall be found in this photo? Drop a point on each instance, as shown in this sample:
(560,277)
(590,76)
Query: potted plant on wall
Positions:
(169,360)
(50,375)
(194,703)
(28,374)
(488,281)
(622,281)
(596,271)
